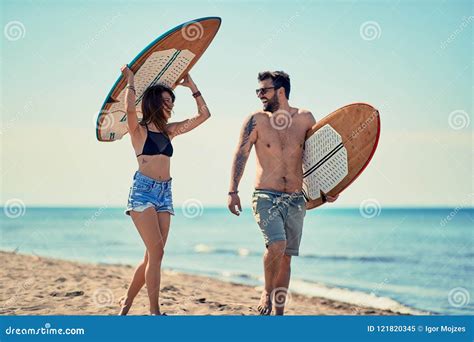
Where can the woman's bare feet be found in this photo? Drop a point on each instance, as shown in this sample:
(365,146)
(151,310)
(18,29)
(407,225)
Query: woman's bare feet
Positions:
(265,305)
(125,306)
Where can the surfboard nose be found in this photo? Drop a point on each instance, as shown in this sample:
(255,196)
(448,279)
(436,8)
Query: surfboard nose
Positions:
(164,61)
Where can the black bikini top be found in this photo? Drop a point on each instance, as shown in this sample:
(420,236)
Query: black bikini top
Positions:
(156,143)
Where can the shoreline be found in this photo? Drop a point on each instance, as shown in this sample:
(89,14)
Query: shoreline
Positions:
(35,285)
(319,290)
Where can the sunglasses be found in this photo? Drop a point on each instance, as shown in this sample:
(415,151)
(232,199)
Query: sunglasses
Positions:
(263,91)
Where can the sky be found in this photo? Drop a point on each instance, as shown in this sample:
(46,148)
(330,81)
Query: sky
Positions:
(410,59)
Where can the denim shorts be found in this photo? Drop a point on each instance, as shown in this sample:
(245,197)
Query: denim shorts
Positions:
(280,217)
(147,192)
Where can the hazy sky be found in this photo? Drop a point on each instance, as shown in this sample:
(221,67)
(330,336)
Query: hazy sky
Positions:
(410,59)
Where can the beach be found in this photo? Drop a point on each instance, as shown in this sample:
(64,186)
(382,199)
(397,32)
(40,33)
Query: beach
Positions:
(35,285)
(406,267)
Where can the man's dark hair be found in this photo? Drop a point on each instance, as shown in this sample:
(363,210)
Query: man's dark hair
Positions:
(279,79)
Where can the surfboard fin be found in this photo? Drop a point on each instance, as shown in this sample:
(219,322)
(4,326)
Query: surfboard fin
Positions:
(323,195)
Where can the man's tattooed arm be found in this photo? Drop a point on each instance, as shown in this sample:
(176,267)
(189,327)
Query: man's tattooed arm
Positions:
(248,136)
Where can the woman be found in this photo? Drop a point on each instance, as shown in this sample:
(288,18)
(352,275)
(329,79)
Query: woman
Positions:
(150,200)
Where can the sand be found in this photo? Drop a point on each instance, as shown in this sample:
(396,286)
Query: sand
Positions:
(33,285)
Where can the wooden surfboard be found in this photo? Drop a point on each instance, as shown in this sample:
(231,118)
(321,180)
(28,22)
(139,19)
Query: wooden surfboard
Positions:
(165,61)
(337,150)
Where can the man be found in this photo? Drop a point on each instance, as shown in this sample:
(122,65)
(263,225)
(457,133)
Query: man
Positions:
(278,133)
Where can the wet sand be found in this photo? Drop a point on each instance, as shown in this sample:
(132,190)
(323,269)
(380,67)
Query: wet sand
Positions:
(33,285)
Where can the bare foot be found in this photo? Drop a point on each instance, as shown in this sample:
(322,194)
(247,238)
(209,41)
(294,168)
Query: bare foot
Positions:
(265,305)
(124,306)
(280,299)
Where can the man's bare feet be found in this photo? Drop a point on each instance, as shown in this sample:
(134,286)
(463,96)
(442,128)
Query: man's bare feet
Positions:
(280,299)
(265,305)
(124,306)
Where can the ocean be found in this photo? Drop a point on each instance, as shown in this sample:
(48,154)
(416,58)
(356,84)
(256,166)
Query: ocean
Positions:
(416,260)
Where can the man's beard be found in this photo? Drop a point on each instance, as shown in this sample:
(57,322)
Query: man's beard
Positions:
(272,105)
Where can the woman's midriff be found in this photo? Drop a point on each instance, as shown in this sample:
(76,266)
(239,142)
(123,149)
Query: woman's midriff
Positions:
(156,167)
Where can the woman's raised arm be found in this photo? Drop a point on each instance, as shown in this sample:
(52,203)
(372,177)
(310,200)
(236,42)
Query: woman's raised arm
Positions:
(181,127)
(130,97)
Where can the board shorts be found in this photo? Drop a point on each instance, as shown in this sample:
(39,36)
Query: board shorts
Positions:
(147,192)
(280,217)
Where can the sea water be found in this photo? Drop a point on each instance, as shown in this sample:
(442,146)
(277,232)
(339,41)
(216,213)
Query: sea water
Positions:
(406,259)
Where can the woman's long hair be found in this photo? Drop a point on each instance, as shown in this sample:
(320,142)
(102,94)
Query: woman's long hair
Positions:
(152,106)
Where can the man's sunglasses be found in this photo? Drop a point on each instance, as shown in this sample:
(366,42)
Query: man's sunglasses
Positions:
(263,91)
